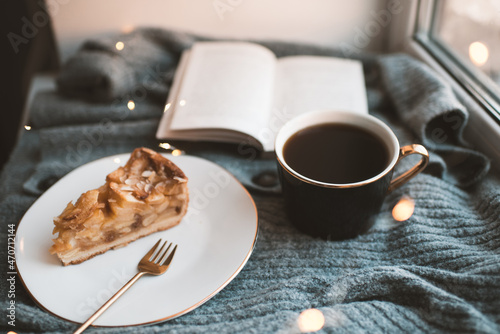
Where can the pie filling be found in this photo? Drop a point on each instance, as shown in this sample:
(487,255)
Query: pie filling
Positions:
(148,194)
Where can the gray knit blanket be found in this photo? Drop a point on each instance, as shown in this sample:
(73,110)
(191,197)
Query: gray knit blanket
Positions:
(438,271)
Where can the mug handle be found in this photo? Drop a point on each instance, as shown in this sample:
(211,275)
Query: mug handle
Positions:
(406,176)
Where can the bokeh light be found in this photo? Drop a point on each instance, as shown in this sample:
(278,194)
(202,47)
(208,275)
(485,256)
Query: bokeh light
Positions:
(403,209)
(165,146)
(311,320)
(119,46)
(478,53)
(176,152)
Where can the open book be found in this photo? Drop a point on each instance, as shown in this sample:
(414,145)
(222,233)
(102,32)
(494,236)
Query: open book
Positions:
(241,93)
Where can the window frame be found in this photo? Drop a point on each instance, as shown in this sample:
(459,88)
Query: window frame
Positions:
(407,35)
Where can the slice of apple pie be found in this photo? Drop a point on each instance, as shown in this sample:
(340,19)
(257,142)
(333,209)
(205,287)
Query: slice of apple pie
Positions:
(147,195)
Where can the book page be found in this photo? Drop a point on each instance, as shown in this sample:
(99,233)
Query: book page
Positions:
(306,83)
(225,86)
(164,126)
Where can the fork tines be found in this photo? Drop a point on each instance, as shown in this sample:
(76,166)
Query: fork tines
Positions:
(160,257)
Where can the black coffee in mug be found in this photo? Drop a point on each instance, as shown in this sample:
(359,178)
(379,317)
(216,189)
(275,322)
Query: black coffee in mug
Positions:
(336,153)
(335,169)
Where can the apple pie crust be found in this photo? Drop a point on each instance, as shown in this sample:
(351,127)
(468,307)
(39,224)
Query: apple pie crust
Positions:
(147,195)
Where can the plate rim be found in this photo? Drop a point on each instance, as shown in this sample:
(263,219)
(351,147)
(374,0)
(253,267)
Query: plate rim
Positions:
(170,317)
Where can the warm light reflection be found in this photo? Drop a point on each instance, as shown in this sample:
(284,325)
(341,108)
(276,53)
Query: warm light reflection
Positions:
(182,103)
(27,127)
(119,46)
(165,146)
(11,332)
(117,160)
(478,53)
(311,320)
(403,210)
(131,105)
(21,245)
(127,29)
(176,152)
(167,106)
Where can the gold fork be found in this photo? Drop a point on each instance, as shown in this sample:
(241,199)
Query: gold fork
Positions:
(149,264)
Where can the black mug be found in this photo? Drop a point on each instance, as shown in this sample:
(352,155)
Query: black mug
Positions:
(337,211)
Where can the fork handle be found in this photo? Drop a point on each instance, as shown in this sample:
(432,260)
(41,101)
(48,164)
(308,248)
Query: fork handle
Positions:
(104,307)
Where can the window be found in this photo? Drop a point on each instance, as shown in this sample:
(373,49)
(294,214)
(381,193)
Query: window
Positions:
(442,34)
(471,31)
(464,37)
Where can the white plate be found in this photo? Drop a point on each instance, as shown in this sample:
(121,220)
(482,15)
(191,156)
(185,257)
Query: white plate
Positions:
(215,238)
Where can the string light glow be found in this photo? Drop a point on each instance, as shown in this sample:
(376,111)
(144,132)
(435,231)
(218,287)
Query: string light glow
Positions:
(119,46)
(311,320)
(165,146)
(176,152)
(403,210)
(167,106)
(131,105)
(27,127)
(478,53)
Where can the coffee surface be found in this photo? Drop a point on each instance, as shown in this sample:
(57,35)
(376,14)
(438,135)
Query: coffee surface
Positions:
(336,153)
